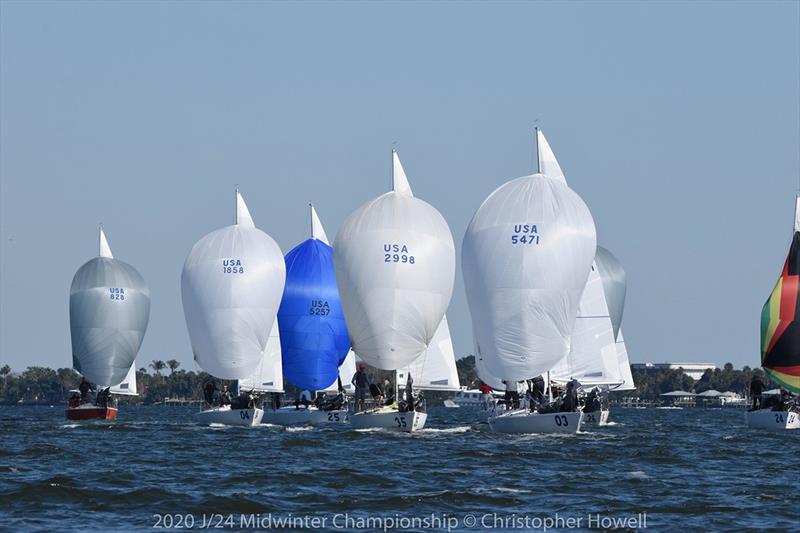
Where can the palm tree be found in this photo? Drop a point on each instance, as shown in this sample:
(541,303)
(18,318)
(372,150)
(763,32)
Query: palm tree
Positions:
(173,365)
(158,366)
(5,371)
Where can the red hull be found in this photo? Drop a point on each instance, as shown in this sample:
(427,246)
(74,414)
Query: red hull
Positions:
(91,413)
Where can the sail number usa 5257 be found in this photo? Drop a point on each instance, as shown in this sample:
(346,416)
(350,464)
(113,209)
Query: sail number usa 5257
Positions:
(397,253)
(232,266)
(525,234)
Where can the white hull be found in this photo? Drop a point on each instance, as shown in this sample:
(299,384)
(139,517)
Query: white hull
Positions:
(230,417)
(289,416)
(391,419)
(774,420)
(523,421)
(485,414)
(597,418)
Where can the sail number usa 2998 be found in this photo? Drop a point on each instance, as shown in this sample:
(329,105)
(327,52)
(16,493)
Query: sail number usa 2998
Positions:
(397,253)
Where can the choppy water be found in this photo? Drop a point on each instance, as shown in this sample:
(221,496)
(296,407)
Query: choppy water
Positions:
(701,470)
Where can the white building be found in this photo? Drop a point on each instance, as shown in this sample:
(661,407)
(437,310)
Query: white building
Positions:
(693,370)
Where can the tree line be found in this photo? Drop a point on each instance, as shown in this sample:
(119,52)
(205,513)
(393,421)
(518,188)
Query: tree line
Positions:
(48,386)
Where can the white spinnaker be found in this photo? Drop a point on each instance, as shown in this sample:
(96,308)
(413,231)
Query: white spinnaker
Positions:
(269,374)
(231,286)
(395,264)
(435,368)
(128,385)
(109,308)
(526,258)
(346,371)
(592,359)
(624,365)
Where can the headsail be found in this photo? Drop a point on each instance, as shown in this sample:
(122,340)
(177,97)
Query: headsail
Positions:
(231,286)
(780,319)
(268,377)
(314,338)
(128,385)
(109,307)
(526,258)
(395,265)
(592,359)
(435,368)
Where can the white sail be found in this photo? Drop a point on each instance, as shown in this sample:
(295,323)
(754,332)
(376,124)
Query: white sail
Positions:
(624,365)
(105,249)
(109,307)
(592,359)
(346,371)
(548,164)
(269,375)
(395,264)
(485,376)
(526,258)
(435,368)
(317,231)
(231,286)
(128,385)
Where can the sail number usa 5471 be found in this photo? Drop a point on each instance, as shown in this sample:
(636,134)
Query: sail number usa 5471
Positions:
(525,234)
(397,253)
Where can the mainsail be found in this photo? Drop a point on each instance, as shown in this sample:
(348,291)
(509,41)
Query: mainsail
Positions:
(268,376)
(128,385)
(526,258)
(109,307)
(346,372)
(314,338)
(780,329)
(614,285)
(231,287)
(592,358)
(395,264)
(435,368)
(624,365)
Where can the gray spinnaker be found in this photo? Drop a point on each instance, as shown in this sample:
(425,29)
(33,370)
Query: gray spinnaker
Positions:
(614,285)
(109,307)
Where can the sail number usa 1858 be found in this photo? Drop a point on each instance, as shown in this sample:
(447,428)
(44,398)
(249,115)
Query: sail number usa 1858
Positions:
(525,234)
(397,253)
(232,266)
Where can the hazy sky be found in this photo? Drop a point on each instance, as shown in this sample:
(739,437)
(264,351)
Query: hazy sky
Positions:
(677,122)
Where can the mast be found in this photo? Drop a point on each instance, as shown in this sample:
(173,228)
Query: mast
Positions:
(538,151)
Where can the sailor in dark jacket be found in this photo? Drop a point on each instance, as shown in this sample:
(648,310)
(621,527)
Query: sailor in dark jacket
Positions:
(756,388)
(85,387)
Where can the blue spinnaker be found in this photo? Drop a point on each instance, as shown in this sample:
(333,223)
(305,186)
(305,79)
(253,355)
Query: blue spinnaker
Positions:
(314,338)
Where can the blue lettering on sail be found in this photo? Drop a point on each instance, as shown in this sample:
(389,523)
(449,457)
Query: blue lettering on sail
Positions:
(525,234)
(232,266)
(116,293)
(319,308)
(397,253)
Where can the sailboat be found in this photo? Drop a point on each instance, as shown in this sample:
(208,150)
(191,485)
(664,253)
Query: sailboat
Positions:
(231,286)
(109,307)
(594,359)
(314,338)
(395,264)
(527,254)
(780,339)
(615,288)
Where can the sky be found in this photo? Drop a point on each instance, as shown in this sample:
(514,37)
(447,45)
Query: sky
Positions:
(677,122)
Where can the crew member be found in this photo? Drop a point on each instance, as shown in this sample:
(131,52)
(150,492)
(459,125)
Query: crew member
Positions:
(361,383)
